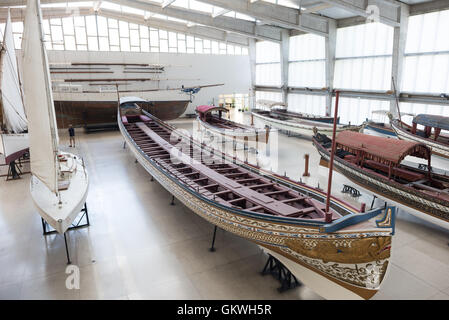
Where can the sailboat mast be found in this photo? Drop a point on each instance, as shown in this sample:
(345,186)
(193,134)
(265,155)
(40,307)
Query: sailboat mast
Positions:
(331,161)
(51,115)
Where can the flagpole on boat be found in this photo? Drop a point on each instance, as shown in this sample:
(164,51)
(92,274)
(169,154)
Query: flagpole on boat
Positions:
(328,217)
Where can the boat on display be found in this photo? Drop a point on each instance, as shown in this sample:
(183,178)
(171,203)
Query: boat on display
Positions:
(376,164)
(59,182)
(339,253)
(14,141)
(279,109)
(437,141)
(210,119)
(380,127)
(302,126)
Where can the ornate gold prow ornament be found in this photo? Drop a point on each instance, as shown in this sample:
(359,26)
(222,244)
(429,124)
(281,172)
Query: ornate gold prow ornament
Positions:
(343,250)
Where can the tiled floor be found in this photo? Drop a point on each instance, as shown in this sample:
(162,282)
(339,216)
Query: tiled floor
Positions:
(140,247)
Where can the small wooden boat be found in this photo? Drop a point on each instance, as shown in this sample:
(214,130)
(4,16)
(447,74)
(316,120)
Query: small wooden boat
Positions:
(279,110)
(380,127)
(341,253)
(299,126)
(14,141)
(376,164)
(434,139)
(210,119)
(59,182)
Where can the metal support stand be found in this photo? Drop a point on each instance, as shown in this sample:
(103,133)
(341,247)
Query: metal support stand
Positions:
(351,190)
(172,200)
(14,171)
(280,272)
(135,161)
(212,248)
(124,144)
(74,226)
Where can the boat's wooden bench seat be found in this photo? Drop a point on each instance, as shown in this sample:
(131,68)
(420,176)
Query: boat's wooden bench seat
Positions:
(398,172)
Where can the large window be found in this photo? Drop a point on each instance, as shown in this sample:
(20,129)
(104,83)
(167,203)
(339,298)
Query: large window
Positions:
(307,61)
(307,103)
(268,66)
(356,110)
(97,33)
(363,57)
(426,68)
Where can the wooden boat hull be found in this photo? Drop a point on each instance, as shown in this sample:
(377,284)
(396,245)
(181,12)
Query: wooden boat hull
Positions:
(359,270)
(304,116)
(239,135)
(420,204)
(13,146)
(304,128)
(437,148)
(82,113)
(73,199)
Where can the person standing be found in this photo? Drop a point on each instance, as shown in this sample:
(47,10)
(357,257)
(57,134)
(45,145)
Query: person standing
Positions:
(72,135)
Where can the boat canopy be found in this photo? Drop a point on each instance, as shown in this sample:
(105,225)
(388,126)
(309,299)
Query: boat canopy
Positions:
(384,150)
(204,109)
(434,121)
(270,104)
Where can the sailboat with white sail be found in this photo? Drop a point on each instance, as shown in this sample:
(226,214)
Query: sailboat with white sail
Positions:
(59,182)
(13,122)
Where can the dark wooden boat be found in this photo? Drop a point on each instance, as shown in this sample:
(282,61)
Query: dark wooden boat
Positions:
(279,110)
(346,257)
(84,113)
(210,118)
(431,136)
(375,163)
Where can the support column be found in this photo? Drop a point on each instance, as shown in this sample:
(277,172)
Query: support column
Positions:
(330,44)
(252,67)
(284,54)
(397,65)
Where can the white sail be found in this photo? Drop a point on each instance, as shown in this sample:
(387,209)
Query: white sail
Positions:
(14,117)
(39,100)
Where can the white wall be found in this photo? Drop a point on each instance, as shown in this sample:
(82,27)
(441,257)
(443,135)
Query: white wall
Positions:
(181,69)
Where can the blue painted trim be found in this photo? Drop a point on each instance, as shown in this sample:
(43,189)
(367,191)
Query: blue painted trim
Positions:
(355,218)
(393,219)
(387,132)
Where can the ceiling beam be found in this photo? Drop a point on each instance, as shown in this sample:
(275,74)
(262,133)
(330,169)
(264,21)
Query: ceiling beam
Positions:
(388,11)
(166,3)
(238,26)
(220,12)
(281,16)
(426,7)
(18,14)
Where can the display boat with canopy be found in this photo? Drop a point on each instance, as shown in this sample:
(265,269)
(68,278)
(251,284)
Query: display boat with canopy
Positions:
(340,254)
(303,125)
(431,136)
(210,119)
(59,182)
(376,164)
(14,142)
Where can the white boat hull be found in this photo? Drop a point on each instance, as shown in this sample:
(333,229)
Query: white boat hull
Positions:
(60,217)
(13,145)
(305,127)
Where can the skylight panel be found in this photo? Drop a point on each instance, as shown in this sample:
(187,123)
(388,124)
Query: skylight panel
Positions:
(181,3)
(199,6)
